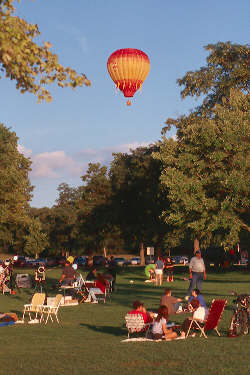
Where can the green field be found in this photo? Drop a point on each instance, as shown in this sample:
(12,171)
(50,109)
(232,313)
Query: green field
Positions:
(88,340)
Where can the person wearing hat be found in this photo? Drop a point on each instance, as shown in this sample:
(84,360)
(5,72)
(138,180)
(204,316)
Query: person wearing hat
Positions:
(197,272)
(68,275)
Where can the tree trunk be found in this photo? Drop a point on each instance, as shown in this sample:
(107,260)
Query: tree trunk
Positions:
(196,245)
(142,254)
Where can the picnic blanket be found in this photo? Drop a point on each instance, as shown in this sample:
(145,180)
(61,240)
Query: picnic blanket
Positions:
(7,323)
(139,339)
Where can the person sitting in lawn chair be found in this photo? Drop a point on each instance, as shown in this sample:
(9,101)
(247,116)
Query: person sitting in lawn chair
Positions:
(68,275)
(139,309)
(100,286)
(196,294)
(92,275)
(199,313)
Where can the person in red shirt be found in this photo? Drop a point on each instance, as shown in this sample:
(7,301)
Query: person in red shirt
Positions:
(139,309)
(100,285)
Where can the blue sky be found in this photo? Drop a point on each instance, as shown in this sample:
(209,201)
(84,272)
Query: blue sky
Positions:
(88,124)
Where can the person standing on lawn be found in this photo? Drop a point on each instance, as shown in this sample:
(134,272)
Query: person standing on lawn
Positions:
(159,271)
(169,266)
(197,272)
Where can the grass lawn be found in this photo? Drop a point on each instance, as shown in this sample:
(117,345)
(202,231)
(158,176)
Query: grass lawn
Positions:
(88,340)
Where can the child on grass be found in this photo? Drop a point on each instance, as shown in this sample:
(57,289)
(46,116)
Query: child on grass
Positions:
(159,329)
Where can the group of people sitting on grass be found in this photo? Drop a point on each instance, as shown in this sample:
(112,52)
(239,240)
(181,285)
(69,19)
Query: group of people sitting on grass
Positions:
(170,305)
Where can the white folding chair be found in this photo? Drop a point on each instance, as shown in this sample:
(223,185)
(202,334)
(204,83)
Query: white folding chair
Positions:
(135,324)
(35,306)
(52,310)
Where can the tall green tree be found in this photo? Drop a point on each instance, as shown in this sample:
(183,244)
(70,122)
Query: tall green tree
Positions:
(227,67)
(138,197)
(203,168)
(62,221)
(35,240)
(23,60)
(206,172)
(15,187)
(94,208)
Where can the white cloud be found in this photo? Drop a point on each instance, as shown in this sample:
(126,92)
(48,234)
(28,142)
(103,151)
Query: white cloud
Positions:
(104,155)
(57,164)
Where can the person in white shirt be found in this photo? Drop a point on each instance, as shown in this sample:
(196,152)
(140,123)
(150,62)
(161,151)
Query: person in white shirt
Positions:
(199,313)
(197,272)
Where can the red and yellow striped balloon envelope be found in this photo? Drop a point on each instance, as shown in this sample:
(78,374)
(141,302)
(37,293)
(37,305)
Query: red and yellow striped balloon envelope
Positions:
(128,68)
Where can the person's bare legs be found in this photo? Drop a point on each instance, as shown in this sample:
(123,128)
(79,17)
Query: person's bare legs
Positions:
(161,278)
(170,335)
(156,279)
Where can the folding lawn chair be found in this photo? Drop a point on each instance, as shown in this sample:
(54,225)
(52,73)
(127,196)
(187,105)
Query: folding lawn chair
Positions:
(107,293)
(52,310)
(35,306)
(78,284)
(80,289)
(135,324)
(214,315)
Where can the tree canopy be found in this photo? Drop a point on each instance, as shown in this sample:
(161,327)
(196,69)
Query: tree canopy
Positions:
(31,65)
(137,197)
(206,170)
(15,187)
(227,67)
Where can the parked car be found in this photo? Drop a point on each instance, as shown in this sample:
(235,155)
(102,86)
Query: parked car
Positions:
(99,260)
(120,261)
(179,259)
(80,261)
(184,259)
(19,261)
(134,261)
(36,262)
(52,262)
(29,262)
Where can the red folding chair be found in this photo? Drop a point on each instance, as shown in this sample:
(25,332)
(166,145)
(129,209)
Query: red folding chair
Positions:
(214,315)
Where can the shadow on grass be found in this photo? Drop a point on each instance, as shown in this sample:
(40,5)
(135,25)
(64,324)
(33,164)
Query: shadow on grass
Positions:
(221,281)
(114,331)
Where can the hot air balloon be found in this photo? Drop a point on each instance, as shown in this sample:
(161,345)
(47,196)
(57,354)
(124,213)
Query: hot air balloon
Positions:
(128,68)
